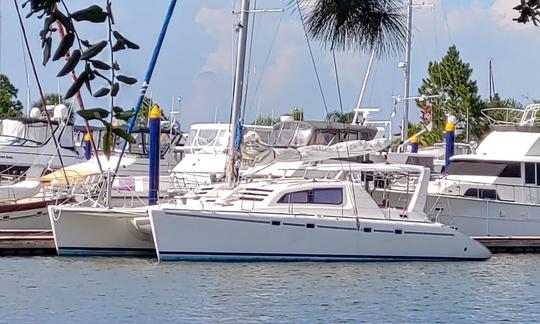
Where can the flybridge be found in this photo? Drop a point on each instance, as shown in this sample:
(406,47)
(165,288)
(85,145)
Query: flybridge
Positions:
(305,133)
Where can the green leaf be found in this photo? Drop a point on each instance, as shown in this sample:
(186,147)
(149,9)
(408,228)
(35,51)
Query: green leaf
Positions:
(124,41)
(101,92)
(107,141)
(95,113)
(93,50)
(76,86)
(64,20)
(93,14)
(100,65)
(123,134)
(126,79)
(71,63)
(47,50)
(114,89)
(117,109)
(64,46)
(125,115)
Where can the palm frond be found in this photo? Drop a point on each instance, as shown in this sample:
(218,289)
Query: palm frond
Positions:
(363,25)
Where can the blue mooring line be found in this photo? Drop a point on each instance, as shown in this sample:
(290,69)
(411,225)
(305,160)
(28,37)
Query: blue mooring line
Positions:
(147,77)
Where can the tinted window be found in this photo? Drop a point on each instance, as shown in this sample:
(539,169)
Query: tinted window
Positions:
(473,192)
(538,174)
(299,197)
(332,196)
(327,196)
(512,170)
(480,168)
(481,193)
(530,177)
(488,194)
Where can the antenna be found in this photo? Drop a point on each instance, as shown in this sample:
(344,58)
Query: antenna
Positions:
(406,65)
(492,91)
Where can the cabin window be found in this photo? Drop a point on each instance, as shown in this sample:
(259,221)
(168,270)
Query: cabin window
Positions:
(325,196)
(352,136)
(324,138)
(299,197)
(333,196)
(538,174)
(512,170)
(481,168)
(206,137)
(530,177)
(302,136)
(481,193)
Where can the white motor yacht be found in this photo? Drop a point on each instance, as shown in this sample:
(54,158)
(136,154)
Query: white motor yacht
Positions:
(496,191)
(27,151)
(27,144)
(204,154)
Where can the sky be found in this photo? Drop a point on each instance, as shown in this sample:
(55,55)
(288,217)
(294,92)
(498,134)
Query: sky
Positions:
(196,62)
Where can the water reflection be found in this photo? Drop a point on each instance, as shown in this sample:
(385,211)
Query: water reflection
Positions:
(106,289)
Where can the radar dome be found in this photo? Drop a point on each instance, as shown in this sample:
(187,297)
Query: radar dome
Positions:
(60,112)
(35,112)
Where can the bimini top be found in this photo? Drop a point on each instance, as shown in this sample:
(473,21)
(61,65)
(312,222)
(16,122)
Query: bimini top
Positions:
(31,132)
(304,133)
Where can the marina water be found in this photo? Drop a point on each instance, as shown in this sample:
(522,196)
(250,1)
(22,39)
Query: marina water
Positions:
(90,290)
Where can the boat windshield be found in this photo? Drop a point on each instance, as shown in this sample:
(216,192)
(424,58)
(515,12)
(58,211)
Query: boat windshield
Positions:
(207,137)
(292,134)
(459,149)
(18,133)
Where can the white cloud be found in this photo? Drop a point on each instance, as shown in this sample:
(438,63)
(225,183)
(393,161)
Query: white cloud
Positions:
(499,13)
(285,64)
(218,24)
(281,70)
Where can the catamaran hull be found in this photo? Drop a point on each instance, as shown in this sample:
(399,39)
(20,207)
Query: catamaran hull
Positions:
(100,232)
(237,236)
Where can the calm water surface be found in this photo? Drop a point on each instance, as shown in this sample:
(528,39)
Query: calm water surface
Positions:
(505,288)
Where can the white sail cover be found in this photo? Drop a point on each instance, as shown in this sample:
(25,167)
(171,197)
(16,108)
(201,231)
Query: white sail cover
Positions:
(255,151)
(20,190)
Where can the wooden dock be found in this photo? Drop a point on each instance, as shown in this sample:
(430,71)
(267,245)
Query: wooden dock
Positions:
(511,244)
(29,243)
(32,243)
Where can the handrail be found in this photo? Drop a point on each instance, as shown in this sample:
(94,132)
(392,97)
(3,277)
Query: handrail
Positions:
(527,116)
(515,190)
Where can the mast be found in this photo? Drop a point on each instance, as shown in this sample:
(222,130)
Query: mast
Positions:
(364,83)
(492,91)
(234,149)
(407,72)
(1,36)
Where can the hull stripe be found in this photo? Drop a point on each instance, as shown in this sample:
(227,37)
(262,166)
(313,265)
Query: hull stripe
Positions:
(182,255)
(97,251)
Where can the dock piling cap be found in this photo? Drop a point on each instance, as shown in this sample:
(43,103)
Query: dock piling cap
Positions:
(450,127)
(155,113)
(414,139)
(87,137)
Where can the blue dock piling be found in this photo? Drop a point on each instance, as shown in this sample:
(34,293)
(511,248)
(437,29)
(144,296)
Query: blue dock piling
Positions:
(414,144)
(449,143)
(87,146)
(154,118)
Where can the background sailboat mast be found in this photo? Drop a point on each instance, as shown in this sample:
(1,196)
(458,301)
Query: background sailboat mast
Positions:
(234,149)
(407,72)
(1,48)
